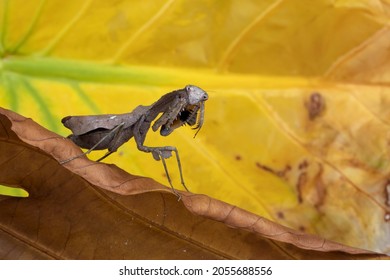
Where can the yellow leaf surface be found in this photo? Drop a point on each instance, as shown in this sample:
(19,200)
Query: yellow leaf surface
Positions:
(297,122)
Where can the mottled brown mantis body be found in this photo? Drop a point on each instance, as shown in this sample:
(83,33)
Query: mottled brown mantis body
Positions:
(100,132)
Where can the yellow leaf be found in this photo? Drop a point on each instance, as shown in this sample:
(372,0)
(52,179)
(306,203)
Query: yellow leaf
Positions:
(296,126)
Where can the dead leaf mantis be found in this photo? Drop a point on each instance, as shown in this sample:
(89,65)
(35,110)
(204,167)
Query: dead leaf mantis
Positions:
(100,132)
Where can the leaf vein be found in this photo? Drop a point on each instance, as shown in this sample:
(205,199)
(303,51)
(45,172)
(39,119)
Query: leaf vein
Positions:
(239,40)
(140,31)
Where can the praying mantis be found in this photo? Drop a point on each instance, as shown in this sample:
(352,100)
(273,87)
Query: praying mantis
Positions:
(110,131)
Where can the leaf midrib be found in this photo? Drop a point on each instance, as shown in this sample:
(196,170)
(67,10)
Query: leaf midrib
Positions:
(100,72)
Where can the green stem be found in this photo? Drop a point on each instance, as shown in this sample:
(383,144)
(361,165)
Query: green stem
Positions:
(83,71)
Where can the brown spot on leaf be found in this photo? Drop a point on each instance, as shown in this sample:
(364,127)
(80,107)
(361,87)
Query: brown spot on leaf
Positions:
(315,105)
(280,215)
(304,164)
(387,192)
(238,157)
(320,189)
(279,173)
(265,168)
(288,168)
(302,179)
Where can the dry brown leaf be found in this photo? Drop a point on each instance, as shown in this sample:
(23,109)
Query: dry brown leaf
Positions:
(89,210)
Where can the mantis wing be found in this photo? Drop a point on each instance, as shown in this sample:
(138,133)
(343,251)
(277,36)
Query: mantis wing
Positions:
(83,124)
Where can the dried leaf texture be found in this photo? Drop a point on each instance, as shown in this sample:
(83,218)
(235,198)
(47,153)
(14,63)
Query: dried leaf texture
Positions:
(92,210)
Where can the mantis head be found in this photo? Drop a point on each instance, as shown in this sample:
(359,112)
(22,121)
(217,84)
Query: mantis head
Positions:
(190,110)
